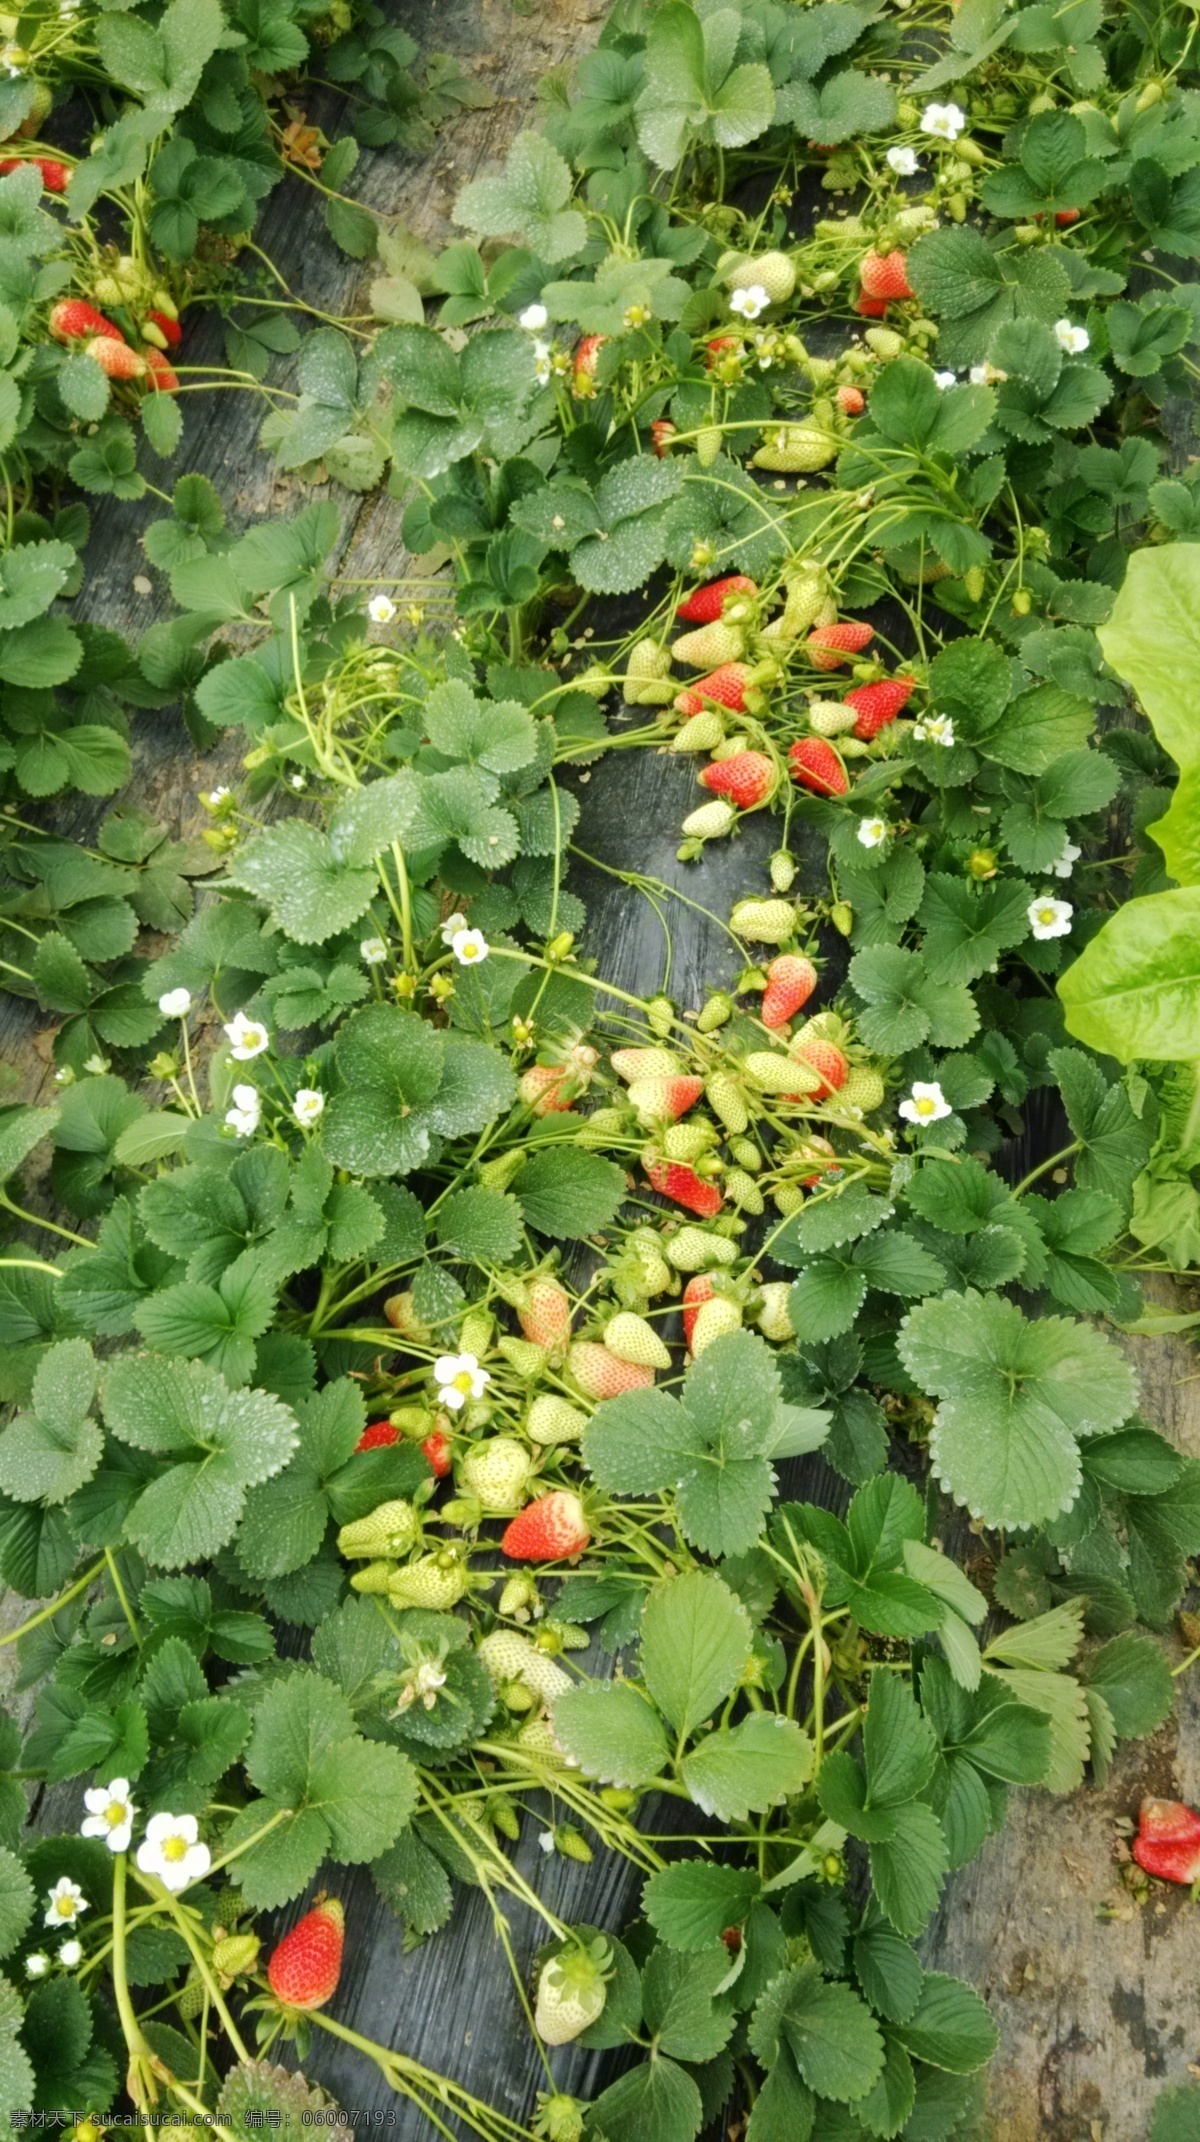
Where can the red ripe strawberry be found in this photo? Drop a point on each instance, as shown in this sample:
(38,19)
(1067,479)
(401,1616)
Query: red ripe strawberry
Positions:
(697,1291)
(674,1179)
(718,347)
(882,275)
(55,176)
(746,779)
(726,685)
(1063,217)
(114,358)
(545,1314)
(829,645)
(73,320)
(552,1529)
(851,401)
(170,329)
(1168,1840)
(706,605)
(790,983)
(162,379)
(436,1448)
(878,704)
(869,308)
(822,1057)
(584,361)
(378,1436)
(816,765)
(305,1967)
(662,431)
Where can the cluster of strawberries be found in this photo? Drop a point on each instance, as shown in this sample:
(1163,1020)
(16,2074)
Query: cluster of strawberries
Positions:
(77,323)
(56,177)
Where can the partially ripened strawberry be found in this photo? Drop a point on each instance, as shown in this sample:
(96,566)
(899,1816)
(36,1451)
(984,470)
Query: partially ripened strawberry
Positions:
(73,320)
(631,1064)
(160,376)
(822,1057)
(549,1089)
(631,1338)
(1064,217)
(599,1374)
(830,645)
(706,605)
(662,431)
(727,685)
(115,359)
(674,1179)
(544,1314)
(378,1436)
(877,704)
(55,176)
(697,1291)
(709,646)
(791,980)
(305,1967)
(719,346)
(168,328)
(816,1149)
(851,400)
(664,1100)
(816,765)
(583,363)
(552,1529)
(746,779)
(883,275)
(436,1450)
(1168,1841)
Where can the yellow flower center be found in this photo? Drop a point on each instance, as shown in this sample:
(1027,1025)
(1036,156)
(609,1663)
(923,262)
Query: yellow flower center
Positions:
(174,1848)
(469,952)
(464,1382)
(114,1814)
(925,1106)
(65,1907)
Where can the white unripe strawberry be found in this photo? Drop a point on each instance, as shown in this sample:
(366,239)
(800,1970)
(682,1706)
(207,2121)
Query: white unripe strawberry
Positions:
(498,1473)
(631,1338)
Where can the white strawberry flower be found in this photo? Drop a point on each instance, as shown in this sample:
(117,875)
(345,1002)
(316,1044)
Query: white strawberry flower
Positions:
(308,1107)
(451,927)
(246,1114)
(925,1104)
(66,1901)
(110,1813)
(944,121)
(986,375)
(934,729)
(175,1003)
(96,1066)
(469,947)
(299,780)
(872,832)
(533,319)
(749,303)
(543,365)
(1074,340)
(247,1038)
(381,609)
(37,1965)
(546,1841)
(943,381)
(1066,862)
(459,1378)
(373,952)
(903,162)
(171,1850)
(70,1954)
(1049,917)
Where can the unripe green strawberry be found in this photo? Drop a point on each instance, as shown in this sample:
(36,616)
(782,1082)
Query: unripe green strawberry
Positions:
(787,1199)
(647,675)
(570,1997)
(773,1319)
(863,1090)
(727,1101)
(497,1174)
(389,1530)
(766,922)
(686,1141)
(716,1012)
(974,583)
(742,1191)
(783,870)
(502,1815)
(572,1843)
(830,718)
(692,1250)
(711,822)
(804,596)
(436,1580)
(498,1473)
(660,1016)
(509,1657)
(529,1361)
(475,1337)
(772,272)
(656,1271)
(709,646)
(235,1955)
(375,1580)
(553,1420)
(632,1064)
(885,342)
(519,1596)
(599,1374)
(714,1320)
(746,1154)
(700,732)
(631,1338)
(709,442)
(537,1741)
(795,449)
(598,1130)
(769,1073)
